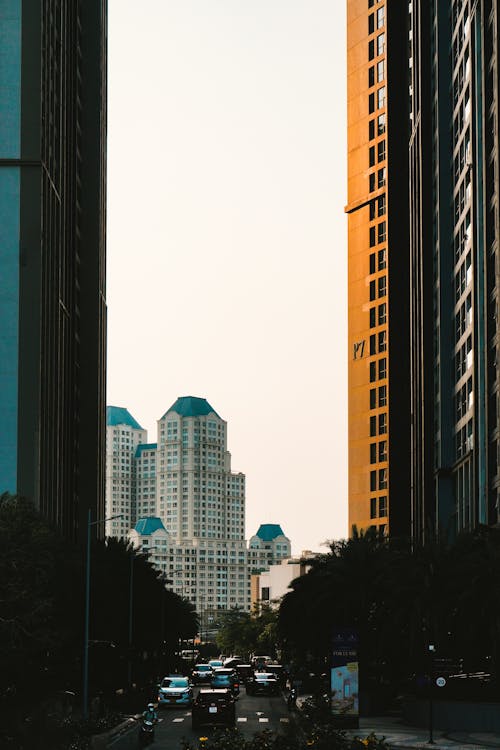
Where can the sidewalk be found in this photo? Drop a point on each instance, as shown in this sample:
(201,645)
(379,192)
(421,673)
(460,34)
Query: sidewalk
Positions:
(400,735)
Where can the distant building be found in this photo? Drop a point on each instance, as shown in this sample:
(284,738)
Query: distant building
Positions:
(267,547)
(269,586)
(150,536)
(53,70)
(124,435)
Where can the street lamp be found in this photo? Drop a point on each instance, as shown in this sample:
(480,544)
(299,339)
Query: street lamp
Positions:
(85,707)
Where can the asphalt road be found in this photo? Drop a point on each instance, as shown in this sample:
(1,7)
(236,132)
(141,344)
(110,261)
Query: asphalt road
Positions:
(253,714)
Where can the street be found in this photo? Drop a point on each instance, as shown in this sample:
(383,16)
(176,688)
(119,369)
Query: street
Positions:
(253,714)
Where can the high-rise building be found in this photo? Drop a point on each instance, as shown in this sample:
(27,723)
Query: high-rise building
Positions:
(52,256)
(125,446)
(454,243)
(378,265)
(440,236)
(181,491)
(201,502)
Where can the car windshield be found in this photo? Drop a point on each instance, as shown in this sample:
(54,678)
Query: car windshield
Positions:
(203,668)
(264,676)
(174,682)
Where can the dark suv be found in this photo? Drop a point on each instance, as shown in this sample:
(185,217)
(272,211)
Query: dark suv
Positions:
(213,707)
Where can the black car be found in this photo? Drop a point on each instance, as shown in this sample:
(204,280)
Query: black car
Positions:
(279,671)
(244,672)
(214,707)
(263,683)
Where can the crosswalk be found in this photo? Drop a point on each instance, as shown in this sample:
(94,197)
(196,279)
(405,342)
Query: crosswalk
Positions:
(257,716)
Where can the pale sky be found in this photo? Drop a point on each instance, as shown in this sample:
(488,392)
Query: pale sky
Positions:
(227,245)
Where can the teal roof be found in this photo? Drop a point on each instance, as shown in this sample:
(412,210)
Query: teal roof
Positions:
(145,447)
(146,526)
(191,406)
(119,415)
(269,531)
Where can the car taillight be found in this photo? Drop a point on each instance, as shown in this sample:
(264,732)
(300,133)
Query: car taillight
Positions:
(236,685)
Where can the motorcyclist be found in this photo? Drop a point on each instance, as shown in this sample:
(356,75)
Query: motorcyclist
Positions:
(292,698)
(150,714)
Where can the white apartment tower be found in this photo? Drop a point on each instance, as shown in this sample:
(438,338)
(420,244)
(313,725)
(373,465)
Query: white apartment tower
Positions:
(202,505)
(123,435)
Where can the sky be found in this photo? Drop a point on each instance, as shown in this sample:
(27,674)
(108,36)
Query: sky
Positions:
(226,241)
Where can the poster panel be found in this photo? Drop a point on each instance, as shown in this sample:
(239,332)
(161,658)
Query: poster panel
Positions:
(344,677)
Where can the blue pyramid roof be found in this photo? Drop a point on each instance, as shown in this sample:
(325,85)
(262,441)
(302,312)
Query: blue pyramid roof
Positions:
(191,406)
(119,415)
(269,531)
(145,526)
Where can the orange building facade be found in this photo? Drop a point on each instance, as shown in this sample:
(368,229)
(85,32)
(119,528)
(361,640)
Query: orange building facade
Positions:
(367,264)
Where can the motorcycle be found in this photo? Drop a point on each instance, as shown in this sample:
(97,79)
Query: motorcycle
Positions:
(292,699)
(146,733)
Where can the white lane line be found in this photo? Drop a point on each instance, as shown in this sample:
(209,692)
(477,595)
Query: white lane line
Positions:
(177,720)
(241,718)
(284,719)
(262,718)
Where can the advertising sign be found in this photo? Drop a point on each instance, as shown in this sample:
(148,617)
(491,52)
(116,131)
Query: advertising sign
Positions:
(344,682)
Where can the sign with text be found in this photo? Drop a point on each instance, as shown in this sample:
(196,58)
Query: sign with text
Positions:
(344,680)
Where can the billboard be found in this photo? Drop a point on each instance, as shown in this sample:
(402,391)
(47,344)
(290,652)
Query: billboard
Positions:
(344,677)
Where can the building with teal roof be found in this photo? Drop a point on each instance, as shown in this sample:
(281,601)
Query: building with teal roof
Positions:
(191,406)
(116,415)
(269,546)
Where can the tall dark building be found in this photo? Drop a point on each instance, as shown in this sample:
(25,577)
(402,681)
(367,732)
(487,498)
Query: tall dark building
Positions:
(455,265)
(424,265)
(52,256)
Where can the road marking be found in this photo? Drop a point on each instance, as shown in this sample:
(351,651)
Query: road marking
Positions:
(241,718)
(177,720)
(262,718)
(284,719)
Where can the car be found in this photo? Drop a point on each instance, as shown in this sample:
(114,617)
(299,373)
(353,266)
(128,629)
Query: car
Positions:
(263,683)
(201,673)
(260,661)
(216,663)
(244,672)
(279,671)
(214,707)
(225,678)
(175,691)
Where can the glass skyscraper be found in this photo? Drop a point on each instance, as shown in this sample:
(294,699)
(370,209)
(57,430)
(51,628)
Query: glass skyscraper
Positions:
(52,256)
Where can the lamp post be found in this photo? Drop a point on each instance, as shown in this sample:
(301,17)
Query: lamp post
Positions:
(431,650)
(85,703)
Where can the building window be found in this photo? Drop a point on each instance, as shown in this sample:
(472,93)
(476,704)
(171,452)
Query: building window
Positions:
(381,232)
(373,507)
(373,398)
(382,451)
(382,313)
(380,17)
(382,259)
(373,481)
(372,237)
(382,479)
(373,453)
(382,286)
(381,97)
(382,424)
(381,150)
(381,124)
(371,23)
(371,103)
(382,341)
(372,263)
(371,49)
(382,368)
(373,345)
(381,174)
(372,182)
(382,506)
(371,130)
(381,204)
(373,426)
(372,290)
(371,75)
(380,71)
(372,317)
(380,44)
(382,395)
(373,372)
